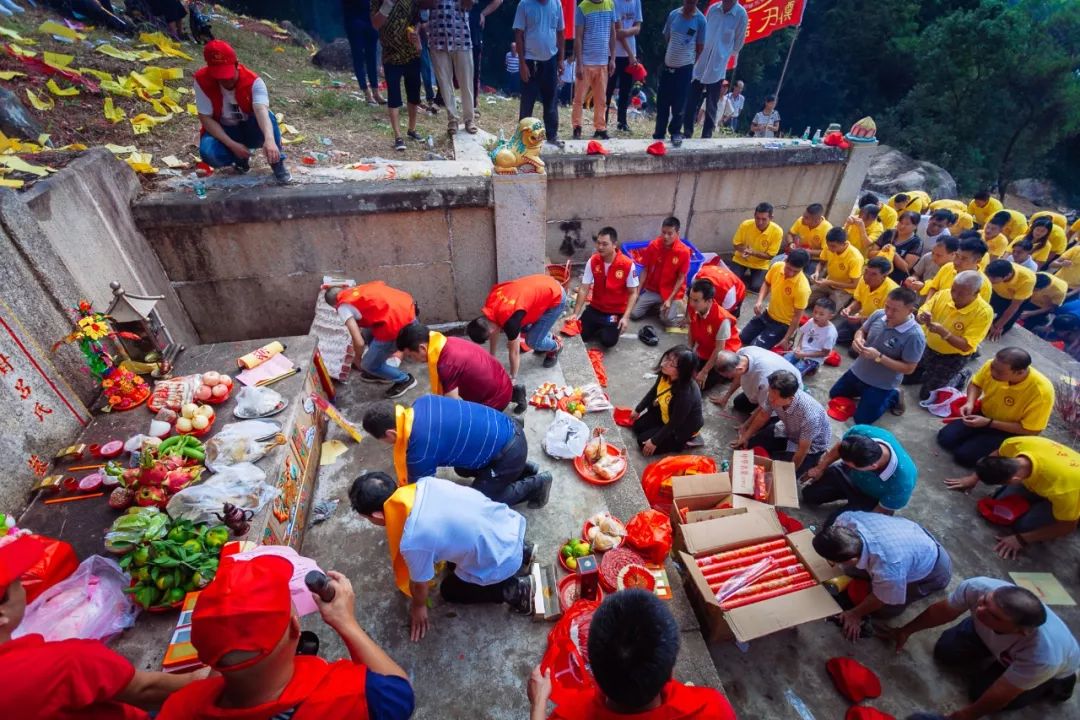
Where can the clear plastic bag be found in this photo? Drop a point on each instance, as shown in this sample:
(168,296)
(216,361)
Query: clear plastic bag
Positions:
(243,485)
(255,401)
(566,436)
(744,579)
(240,442)
(90,604)
(595,398)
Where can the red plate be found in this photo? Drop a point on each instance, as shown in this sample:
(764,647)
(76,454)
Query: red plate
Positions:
(217,401)
(612,562)
(198,433)
(586,472)
(585,535)
(570,591)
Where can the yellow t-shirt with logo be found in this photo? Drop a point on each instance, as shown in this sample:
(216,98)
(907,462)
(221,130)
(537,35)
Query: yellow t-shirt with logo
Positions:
(964,222)
(663,399)
(844,266)
(1057,218)
(871,300)
(888,252)
(813,238)
(1071,273)
(1039,254)
(983,214)
(971,323)
(1017,227)
(750,237)
(873,232)
(1052,295)
(1055,473)
(918,201)
(1020,287)
(944,280)
(997,246)
(1028,402)
(888,217)
(786,296)
(955,206)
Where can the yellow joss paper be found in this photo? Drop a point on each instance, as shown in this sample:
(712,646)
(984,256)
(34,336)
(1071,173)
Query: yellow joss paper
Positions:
(8,32)
(43,139)
(140,162)
(173,161)
(57,60)
(160,75)
(38,103)
(142,123)
(154,102)
(171,106)
(19,165)
(291,140)
(288,129)
(117,53)
(20,51)
(13,184)
(164,44)
(144,81)
(75,147)
(100,75)
(112,113)
(116,88)
(121,149)
(50,27)
(192,109)
(10,74)
(61,92)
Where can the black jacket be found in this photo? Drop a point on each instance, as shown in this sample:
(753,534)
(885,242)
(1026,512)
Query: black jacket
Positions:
(684,411)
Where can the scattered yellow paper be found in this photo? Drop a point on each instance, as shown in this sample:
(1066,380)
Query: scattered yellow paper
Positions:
(8,32)
(154,102)
(43,139)
(10,74)
(117,53)
(38,103)
(192,109)
(100,75)
(113,113)
(121,149)
(50,27)
(140,162)
(57,60)
(312,83)
(20,51)
(173,161)
(291,140)
(19,165)
(288,129)
(74,147)
(13,184)
(164,44)
(116,88)
(145,82)
(171,106)
(279,49)
(142,123)
(159,75)
(331,450)
(61,92)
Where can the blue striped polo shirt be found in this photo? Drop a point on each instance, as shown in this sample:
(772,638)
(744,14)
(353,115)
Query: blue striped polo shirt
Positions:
(595,19)
(448,432)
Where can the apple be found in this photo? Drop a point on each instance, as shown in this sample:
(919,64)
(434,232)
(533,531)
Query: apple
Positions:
(205,410)
(189,410)
(200,422)
(183,425)
(226,381)
(211,378)
(204,392)
(219,391)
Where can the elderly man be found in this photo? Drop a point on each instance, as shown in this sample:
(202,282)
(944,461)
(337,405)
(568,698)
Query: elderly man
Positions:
(712,330)
(529,306)
(476,441)
(1013,649)
(756,243)
(791,425)
(955,323)
(751,367)
(838,272)
(890,345)
(1012,287)
(868,297)
(868,468)
(809,232)
(1044,475)
(781,305)
(902,561)
(1005,398)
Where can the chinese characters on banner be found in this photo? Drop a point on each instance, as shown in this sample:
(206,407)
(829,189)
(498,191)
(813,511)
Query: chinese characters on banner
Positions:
(764,17)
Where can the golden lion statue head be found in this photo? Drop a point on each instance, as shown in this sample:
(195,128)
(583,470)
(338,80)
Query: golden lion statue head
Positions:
(531,131)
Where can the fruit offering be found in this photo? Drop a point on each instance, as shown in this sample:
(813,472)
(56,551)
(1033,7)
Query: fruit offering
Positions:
(214,388)
(604,531)
(576,408)
(175,464)
(573,549)
(165,569)
(194,418)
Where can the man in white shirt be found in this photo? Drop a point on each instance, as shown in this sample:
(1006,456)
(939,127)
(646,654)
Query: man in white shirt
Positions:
(749,371)
(725,34)
(737,100)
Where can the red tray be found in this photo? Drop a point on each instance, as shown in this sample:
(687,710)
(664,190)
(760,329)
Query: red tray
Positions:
(570,589)
(585,536)
(217,401)
(198,433)
(587,474)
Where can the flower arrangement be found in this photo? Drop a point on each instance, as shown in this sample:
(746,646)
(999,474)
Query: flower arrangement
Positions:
(123,389)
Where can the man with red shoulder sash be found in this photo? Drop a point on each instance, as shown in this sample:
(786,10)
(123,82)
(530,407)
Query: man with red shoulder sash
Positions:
(730,290)
(245,627)
(234,109)
(633,645)
(374,313)
(712,329)
(665,262)
(528,306)
(610,278)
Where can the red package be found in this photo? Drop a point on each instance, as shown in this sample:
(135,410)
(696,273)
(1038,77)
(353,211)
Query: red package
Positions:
(566,659)
(649,532)
(623,416)
(656,480)
(56,564)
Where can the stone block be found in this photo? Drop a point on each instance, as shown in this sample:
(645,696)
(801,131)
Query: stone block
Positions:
(520,212)
(398,238)
(472,256)
(251,308)
(712,231)
(612,196)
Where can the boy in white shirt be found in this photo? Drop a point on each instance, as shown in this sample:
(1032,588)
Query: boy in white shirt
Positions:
(816,339)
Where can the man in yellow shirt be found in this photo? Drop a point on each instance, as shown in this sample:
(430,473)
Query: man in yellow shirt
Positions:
(954,206)
(887,216)
(1042,472)
(970,255)
(1005,398)
(869,295)
(787,293)
(838,272)
(1047,297)
(1067,267)
(955,322)
(864,228)
(993,234)
(912,201)
(808,233)
(1011,286)
(756,242)
(983,206)
(1017,225)
(929,265)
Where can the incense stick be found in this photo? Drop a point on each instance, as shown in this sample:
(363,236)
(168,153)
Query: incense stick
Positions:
(54,501)
(86,467)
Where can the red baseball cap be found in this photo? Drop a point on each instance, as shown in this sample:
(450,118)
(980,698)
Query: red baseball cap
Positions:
(17,557)
(657,148)
(221,59)
(841,408)
(247,608)
(854,680)
(595,148)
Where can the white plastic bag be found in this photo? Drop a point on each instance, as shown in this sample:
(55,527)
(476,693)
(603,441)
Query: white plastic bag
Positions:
(239,442)
(566,436)
(90,604)
(255,401)
(944,402)
(243,485)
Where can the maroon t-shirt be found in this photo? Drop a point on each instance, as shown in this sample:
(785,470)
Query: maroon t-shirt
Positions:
(476,374)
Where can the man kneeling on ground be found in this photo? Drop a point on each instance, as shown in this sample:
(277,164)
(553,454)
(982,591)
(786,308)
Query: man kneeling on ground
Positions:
(633,645)
(610,286)
(433,521)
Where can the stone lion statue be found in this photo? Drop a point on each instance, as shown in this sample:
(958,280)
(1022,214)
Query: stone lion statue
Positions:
(521,153)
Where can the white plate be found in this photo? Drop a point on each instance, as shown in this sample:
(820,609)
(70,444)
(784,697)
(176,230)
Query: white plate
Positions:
(278,408)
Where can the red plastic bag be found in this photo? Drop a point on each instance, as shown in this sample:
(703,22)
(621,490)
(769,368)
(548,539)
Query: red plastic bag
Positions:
(567,654)
(55,565)
(649,532)
(656,480)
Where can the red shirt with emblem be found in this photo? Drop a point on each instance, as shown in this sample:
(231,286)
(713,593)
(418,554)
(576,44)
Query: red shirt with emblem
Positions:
(664,266)
(703,330)
(610,295)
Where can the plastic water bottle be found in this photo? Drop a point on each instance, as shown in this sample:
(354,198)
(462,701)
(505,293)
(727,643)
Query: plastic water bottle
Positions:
(502,136)
(817,137)
(200,189)
(806,133)
(798,705)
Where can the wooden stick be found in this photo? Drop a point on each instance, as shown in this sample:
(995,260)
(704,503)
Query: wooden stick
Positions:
(86,467)
(54,501)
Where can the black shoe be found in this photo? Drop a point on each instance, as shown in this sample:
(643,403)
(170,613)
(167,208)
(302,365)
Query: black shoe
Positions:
(676,140)
(527,555)
(657,137)
(399,144)
(540,497)
(553,357)
(577,133)
(519,595)
(400,388)
(520,399)
(556,142)
(647,335)
(281,173)
(529,470)
(413,135)
(367,377)
(242,166)
(623,127)
(601,135)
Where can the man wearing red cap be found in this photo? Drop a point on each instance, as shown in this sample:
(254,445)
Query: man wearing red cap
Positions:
(234,109)
(68,678)
(245,627)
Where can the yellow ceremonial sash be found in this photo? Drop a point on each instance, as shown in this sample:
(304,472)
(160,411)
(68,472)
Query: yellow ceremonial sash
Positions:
(436,343)
(404,417)
(396,511)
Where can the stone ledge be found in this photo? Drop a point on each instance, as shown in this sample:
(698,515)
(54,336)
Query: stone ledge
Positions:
(271,204)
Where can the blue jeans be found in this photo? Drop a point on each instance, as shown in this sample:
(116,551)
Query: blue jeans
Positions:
(214,153)
(363,42)
(873,401)
(805,366)
(374,360)
(538,335)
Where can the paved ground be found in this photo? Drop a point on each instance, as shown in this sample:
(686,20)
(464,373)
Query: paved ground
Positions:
(476,659)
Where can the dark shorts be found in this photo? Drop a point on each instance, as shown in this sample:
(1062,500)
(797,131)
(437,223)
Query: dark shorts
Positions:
(410,73)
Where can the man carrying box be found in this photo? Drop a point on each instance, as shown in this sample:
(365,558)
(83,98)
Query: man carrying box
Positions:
(902,561)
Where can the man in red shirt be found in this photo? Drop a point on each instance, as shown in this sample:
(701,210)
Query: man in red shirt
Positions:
(633,644)
(730,290)
(665,263)
(66,679)
(610,278)
(529,306)
(712,329)
(459,369)
(374,313)
(244,627)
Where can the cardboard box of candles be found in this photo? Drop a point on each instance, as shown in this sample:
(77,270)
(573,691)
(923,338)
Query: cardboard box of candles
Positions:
(768,481)
(696,498)
(746,579)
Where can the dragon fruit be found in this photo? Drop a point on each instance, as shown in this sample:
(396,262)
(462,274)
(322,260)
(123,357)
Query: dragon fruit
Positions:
(151,495)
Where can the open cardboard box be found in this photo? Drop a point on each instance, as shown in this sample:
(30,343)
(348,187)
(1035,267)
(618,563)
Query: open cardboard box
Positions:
(767,616)
(780,477)
(700,495)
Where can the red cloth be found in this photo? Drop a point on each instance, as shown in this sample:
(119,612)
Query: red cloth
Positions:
(789,523)
(637,71)
(476,374)
(17,557)
(571,328)
(665,266)
(535,294)
(596,358)
(703,330)
(723,280)
(622,416)
(609,292)
(854,680)
(861,712)
(595,148)
(319,691)
(680,702)
(65,680)
(244,84)
(657,148)
(384,309)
